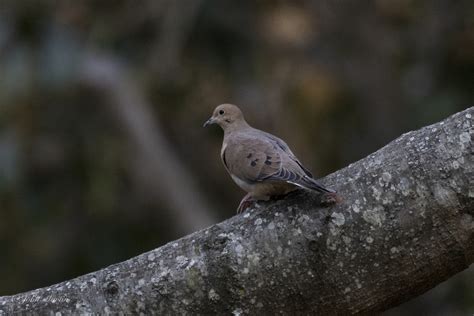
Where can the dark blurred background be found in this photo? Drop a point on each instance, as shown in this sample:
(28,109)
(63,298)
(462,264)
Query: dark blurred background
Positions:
(102,153)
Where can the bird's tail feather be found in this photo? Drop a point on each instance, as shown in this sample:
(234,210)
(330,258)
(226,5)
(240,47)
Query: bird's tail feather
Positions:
(312,184)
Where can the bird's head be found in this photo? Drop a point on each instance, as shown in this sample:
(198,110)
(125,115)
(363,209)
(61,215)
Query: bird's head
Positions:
(226,116)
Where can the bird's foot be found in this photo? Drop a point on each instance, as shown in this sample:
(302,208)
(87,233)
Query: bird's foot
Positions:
(246,202)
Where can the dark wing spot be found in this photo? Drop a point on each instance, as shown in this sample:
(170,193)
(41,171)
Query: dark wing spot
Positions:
(268,162)
(253,163)
(249,155)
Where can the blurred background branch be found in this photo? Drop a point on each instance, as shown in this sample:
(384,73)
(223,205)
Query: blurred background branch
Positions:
(157,168)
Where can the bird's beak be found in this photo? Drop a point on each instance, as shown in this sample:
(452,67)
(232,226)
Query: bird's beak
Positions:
(209,122)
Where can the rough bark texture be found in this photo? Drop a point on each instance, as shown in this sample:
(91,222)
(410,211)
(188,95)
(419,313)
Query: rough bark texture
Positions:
(405,224)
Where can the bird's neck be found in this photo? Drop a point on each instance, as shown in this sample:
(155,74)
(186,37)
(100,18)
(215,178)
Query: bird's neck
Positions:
(237,126)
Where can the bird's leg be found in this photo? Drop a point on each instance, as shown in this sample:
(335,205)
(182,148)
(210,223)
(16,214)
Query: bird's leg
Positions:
(245,203)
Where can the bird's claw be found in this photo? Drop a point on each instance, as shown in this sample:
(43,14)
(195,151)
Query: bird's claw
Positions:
(246,202)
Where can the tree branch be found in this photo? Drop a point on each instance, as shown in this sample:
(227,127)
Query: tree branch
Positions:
(405,224)
(157,167)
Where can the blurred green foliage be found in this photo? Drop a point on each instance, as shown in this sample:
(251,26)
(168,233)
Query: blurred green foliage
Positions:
(336,79)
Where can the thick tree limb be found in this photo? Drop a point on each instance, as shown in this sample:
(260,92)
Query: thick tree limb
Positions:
(405,225)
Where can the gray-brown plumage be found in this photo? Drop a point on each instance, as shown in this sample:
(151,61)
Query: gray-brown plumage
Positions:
(259,162)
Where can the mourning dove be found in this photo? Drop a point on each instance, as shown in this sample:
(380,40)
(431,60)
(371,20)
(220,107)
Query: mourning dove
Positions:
(260,163)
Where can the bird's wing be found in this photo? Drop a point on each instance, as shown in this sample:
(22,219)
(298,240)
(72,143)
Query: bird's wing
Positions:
(251,159)
(285,148)
(291,169)
(259,156)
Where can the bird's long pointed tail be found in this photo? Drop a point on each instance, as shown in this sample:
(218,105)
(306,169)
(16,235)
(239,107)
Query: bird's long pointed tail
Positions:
(313,184)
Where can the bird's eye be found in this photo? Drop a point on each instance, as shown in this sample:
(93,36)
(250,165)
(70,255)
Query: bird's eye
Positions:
(221,112)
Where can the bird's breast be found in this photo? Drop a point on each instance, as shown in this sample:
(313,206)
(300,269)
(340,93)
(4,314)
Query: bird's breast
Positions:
(246,186)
